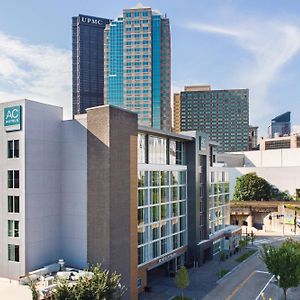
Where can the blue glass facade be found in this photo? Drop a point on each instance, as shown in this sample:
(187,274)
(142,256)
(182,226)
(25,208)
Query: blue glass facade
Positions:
(87,62)
(115,82)
(137,65)
(156,57)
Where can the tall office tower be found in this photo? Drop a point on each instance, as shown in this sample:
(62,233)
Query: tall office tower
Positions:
(137,65)
(253,145)
(223,114)
(280,125)
(87,51)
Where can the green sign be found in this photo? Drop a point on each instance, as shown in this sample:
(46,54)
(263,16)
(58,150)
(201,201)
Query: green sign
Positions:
(12,118)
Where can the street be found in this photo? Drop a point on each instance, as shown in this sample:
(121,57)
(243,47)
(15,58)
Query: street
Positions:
(248,280)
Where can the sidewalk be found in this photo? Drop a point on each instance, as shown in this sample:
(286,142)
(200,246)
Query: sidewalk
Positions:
(202,280)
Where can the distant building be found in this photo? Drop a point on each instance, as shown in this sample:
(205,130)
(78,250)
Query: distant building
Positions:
(223,114)
(284,142)
(280,125)
(280,167)
(177,111)
(138,65)
(87,56)
(253,137)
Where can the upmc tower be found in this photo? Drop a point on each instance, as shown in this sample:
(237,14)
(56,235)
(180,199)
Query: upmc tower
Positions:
(88,75)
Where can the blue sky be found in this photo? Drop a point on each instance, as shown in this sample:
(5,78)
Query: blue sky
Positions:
(228,44)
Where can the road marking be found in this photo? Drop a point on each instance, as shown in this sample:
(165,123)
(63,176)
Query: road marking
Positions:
(264,287)
(239,286)
(264,272)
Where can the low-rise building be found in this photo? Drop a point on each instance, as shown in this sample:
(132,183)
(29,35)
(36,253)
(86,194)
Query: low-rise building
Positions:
(100,189)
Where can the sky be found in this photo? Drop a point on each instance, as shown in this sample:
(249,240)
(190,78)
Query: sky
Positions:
(228,44)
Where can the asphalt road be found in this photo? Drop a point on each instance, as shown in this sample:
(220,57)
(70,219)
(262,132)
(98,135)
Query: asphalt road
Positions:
(250,279)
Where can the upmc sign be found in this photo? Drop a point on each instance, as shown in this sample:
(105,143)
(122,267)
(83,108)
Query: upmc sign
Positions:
(13,118)
(91,21)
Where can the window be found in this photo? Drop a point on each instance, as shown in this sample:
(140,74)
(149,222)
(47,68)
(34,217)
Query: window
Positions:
(13,228)
(13,149)
(13,179)
(13,204)
(13,252)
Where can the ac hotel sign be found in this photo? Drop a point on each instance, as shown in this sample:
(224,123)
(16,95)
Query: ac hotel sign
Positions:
(92,21)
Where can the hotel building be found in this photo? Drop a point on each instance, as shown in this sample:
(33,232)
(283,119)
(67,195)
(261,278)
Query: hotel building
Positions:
(223,114)
(101,189)
(137,64)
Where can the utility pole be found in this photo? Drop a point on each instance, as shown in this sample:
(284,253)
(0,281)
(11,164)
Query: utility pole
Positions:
(295,222)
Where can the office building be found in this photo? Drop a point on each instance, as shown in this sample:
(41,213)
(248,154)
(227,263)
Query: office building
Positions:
(223,114)
(280,125)
(137,65)
(87,65)
(70,193)
(253,145)
(284,142)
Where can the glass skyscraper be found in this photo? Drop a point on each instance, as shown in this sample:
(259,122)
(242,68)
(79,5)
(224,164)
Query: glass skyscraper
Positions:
(137,65)
(87,52)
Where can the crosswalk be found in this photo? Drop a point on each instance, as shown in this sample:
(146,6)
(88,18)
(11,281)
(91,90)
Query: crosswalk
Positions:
(268,240)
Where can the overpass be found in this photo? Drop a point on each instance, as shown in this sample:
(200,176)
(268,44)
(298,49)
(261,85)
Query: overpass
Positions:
(267,215)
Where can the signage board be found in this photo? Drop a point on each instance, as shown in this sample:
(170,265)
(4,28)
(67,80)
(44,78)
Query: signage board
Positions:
(13,118)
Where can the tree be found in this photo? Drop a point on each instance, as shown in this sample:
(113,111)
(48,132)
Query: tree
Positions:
(102,285)
(284,263)
(252,187)
(182,279)
(33,287)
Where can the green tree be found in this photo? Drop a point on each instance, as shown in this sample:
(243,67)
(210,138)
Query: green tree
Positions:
(252,187)
(284,263)
(182,279)
(102,285)
(33,287)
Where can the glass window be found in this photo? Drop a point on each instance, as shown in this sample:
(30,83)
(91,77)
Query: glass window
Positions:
(175,193)
(164,178)
(175,209)
(13,204)
(154,213)
(155,249)
(13,179)
(175,225)
(154,196)
(164,229)
(175,241)
(175,178)
(13,228)
(180,153)
(182,192)
(155,178)
(142,178)
(155,231)
(157,150)
(13,252)
(142,197)
(10,149)
(164,195)
(164,212)
(172,152)
(141,148)
(164,246)
(142,216)
(142,235)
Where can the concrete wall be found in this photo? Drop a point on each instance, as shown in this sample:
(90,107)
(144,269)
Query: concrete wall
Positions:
(266,158)
(8,268)
(112,192)
(43,184)
(286,178)
(74,193)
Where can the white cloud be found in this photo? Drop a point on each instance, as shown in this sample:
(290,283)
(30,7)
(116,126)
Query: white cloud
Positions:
(272,45)
(37,72)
